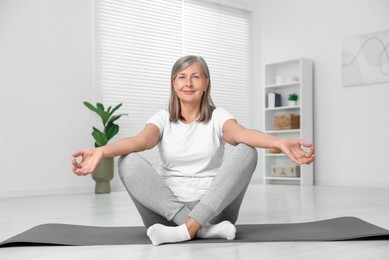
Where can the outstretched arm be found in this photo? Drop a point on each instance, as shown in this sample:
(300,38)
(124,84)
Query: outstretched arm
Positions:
(145,140)
(234,133)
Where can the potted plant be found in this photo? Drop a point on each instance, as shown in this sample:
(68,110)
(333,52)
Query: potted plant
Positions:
(292,98)
(103,173)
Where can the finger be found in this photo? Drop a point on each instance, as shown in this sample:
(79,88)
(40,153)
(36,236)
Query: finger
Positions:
(296,154)
(78,153)
(311,153)
(304,143)
(74,161)
(302,152)
(299,153)
(301,159)
(309,160)
(295,158)
(85,169)
(81,172)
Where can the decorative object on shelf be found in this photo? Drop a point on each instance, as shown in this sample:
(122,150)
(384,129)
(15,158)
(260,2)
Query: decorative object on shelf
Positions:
(274,150)
(365,59)
(280,79)
(273,100)
(286,122)
(292,99)
(103,173)
(291,79)
(285,171)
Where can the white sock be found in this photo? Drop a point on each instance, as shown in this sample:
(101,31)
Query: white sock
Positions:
(223,229)
(160,234)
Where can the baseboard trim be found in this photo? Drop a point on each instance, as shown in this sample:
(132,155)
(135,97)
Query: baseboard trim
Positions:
(45,192)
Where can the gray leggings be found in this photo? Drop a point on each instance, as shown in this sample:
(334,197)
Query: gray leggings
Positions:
(156,203)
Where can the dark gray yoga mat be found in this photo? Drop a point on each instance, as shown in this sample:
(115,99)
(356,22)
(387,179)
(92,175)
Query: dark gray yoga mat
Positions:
(337,229)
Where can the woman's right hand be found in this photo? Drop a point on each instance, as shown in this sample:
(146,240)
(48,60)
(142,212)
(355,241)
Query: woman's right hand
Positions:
(89,160)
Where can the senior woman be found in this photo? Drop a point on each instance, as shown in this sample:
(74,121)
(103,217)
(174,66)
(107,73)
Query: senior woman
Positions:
(194,192)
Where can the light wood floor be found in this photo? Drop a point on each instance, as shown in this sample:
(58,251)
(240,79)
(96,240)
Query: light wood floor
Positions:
(262,204)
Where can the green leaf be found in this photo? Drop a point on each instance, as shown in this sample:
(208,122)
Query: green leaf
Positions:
(94,109)
(111,131)
(115,108)
(102,113)
(99,137)
(97,130)
(114,118)
(100,106)
(105,118)
(90,106)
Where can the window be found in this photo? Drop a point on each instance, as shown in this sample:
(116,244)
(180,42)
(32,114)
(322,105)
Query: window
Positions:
(138,41)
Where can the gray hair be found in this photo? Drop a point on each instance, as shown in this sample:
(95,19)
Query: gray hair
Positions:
(207,106)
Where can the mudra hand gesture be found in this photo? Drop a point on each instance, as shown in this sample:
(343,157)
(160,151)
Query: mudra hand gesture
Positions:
(89,160)
(293,148)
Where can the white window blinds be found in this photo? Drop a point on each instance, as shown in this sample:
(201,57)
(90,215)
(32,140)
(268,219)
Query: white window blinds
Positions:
(138,41)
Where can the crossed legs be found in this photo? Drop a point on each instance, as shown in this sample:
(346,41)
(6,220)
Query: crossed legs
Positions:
(169,220)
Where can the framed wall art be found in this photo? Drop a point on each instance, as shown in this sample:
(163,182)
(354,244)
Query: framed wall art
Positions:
(365,59)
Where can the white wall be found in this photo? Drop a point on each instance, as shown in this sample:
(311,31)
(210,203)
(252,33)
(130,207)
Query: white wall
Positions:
(46,61)
(46,71)
(351,123)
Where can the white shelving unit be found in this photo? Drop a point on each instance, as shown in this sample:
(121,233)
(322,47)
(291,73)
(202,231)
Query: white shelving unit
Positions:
(284,78)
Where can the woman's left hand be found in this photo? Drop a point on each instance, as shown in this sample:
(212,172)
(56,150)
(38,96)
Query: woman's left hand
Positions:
(293,148)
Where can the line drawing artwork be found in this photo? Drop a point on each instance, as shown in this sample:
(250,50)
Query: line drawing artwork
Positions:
(365,59)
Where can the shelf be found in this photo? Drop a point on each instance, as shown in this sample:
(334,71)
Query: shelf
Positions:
(275,154)
(283,108)
(284,85)
(301,71)
(282,131)
(284,178)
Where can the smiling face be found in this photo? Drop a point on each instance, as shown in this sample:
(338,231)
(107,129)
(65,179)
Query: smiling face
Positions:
(190,84)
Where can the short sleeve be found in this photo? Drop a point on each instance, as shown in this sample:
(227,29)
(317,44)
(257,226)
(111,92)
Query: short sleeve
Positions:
(159,119)
(220,116)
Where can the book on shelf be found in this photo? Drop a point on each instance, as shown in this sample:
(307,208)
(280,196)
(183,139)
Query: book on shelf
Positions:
(273,100)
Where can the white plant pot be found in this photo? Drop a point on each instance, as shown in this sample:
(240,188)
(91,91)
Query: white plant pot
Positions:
(292,103)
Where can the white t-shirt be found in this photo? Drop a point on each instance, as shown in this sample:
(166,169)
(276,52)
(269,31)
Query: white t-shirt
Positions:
(190,153)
